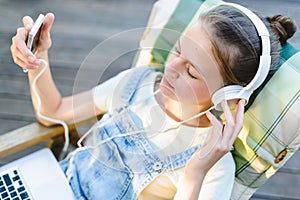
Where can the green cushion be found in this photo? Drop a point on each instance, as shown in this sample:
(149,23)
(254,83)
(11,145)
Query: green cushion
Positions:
(168,20)
(271,132)
(271,124)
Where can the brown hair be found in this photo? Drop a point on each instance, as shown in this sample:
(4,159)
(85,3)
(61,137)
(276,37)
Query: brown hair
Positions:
(236,44)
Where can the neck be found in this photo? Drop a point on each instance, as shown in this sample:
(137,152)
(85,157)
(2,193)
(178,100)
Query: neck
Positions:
(180,112)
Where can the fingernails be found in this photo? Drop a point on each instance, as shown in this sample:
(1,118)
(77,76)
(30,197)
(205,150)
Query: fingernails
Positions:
(31,58)
(224,102)
(208,114)
(27,26)
(37,62)
(243,101)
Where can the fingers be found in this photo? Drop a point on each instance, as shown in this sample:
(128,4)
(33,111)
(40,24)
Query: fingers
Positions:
(48,22)
(216,133)
(218,126)
(239,118)
(22,56)
(234,122)
(228,116)
(221,138)
(239,113)
(20,53)
(225,134)
(229,123)
(45,39)
(27,23)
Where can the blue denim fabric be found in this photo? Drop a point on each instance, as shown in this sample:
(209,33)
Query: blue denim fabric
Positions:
(121,167)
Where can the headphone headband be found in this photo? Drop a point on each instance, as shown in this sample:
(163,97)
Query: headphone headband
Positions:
(264,62)
(265,58)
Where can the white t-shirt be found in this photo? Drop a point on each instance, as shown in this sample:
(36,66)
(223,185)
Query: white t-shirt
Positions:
(219,180)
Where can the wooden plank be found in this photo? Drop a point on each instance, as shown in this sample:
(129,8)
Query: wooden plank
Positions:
(20,107)
(293,163)
(10,124)
(35,133)
(25,137)
(281,186)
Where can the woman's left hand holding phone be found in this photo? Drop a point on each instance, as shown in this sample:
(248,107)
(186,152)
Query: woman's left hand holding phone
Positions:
(22,56)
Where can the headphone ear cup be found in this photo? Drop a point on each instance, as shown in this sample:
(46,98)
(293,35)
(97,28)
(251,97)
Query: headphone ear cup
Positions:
(228,93)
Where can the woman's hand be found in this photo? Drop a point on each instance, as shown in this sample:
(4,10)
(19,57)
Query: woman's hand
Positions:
(218,144)
(222,137)
(22,56)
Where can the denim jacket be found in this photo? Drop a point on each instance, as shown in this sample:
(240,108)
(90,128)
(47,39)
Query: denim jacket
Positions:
(123,166)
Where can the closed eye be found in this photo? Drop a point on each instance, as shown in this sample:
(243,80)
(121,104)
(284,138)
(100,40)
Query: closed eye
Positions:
(190,71)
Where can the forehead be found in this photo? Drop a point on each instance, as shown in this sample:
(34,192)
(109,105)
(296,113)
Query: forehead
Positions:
(196,47)
(196,37)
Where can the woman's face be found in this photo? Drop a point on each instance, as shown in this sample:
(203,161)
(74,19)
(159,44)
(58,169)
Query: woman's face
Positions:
(191,74)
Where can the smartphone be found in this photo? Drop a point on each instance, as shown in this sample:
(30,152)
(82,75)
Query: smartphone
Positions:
(34,34)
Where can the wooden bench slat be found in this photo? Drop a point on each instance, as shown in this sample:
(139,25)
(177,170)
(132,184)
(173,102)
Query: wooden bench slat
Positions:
(25,137)
(33,134)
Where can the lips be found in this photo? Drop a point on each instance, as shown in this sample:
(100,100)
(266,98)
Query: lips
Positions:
(166,83)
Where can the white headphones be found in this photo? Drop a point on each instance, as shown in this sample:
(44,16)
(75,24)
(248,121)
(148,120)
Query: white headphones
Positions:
(240,92)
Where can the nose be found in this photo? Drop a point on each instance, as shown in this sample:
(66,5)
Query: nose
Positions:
(175,65)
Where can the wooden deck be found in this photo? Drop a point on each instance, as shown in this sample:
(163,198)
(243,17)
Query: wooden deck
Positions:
(79,27)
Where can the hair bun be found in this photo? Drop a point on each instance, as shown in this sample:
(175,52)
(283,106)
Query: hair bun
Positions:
(285,27)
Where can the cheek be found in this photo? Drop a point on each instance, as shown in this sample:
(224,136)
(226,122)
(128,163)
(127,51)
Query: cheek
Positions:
(201,92)
(205,92)
(196,91)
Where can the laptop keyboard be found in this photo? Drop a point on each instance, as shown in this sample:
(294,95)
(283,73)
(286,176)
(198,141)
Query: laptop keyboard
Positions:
(12,186)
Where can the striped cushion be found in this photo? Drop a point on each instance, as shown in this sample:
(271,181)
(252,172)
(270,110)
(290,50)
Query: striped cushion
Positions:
(168,20)
(271,132)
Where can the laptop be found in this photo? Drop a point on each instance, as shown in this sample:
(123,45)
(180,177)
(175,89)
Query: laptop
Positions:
(36,176)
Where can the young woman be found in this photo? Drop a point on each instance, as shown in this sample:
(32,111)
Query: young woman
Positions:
(153,143)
